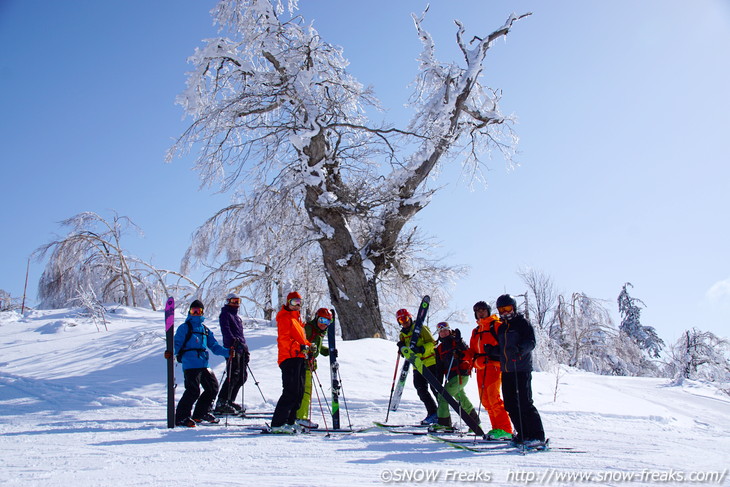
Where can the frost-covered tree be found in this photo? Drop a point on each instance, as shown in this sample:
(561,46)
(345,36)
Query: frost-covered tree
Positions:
(585,328)
(273,105)
(701,355)
(7,302)
(544,300)
(91,259)
(645,336)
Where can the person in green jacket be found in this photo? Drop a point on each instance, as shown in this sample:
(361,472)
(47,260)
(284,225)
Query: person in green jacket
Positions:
(315,330)
(425,350)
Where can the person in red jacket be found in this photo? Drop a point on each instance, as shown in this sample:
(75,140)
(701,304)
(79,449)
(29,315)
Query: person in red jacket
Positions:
(485,359)
(293,350)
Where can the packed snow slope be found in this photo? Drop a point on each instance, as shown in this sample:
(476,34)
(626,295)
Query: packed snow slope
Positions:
(83,407)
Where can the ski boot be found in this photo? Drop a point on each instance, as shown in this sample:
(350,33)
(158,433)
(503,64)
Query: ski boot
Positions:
(430,419)
(499,434)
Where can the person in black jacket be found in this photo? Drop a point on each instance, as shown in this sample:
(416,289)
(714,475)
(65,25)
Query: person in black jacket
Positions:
(236,366)
(516,340)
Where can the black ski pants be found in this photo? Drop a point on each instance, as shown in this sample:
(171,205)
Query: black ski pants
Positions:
(292,381)
(517,394)
(421,385)
(236,376)
(194,378)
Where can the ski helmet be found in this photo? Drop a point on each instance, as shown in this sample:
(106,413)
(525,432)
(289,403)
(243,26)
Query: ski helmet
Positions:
(196,308)
(506,300)
(324,313)
(481,305)
(401,316)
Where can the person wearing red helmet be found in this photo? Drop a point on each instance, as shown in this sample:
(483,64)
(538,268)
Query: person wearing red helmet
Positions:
(293,349)
(315,330)
(425,350)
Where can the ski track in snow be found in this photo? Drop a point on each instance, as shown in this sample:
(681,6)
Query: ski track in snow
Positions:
(80,407)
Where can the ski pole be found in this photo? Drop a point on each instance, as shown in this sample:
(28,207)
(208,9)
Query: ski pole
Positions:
(256,382)
(315,375)
(324,418)
(243,386)
(519,409)
(392,387)
(228,378)
(344,399)
(481,389)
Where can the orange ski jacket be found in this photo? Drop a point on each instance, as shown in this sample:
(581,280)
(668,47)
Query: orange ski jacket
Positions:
(483,346)
(291,334)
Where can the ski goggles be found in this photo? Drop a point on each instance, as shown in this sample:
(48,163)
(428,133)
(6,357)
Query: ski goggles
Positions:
(323,321)
(443,326)
(196,311)
(404,320)
(234,301)
(295,302)
(505,310)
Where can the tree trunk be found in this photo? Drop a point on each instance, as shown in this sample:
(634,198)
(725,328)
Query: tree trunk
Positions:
(353,293)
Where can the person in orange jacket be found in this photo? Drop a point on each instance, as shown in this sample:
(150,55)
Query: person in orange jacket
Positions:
(293,351)
(484,353)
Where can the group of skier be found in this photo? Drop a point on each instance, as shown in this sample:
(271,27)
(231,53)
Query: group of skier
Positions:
(499,350)
(299,344)
(191,344)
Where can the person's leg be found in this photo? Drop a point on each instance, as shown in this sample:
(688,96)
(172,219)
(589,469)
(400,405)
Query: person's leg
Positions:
(288,393)
(191,394)
(493,403)
(210,390)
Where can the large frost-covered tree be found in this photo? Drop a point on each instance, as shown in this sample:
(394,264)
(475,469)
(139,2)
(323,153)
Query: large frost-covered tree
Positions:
(273,105)
(91,260)
(644,336)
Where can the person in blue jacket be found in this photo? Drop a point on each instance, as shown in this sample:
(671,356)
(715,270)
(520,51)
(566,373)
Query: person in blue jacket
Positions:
(192,341)
(232,331)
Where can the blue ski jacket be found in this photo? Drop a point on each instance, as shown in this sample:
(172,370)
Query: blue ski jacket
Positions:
(195,351)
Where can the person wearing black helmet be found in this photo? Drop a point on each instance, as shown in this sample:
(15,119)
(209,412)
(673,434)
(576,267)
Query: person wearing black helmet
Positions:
(192,341)
(484,354)
(516,340)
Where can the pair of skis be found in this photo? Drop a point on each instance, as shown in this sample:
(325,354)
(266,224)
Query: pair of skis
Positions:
(396,391)
(434,382)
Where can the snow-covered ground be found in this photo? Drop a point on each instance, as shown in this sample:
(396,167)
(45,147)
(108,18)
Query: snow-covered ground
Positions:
(83,407)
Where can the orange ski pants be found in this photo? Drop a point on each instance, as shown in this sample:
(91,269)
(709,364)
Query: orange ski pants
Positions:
(489,382)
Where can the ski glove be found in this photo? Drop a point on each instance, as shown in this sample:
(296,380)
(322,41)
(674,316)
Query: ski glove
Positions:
(419,349)
(400,344)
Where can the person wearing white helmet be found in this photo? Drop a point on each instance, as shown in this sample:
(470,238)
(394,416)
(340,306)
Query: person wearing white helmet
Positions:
(236,366)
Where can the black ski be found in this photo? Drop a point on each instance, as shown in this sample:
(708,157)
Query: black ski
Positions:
(334,374)
(417,325)
(436,384)
(169,338)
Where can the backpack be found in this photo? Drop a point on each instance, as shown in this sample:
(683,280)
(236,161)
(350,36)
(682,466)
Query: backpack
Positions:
(189,334)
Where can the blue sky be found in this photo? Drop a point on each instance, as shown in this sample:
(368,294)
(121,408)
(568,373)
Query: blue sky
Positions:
(622,110)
